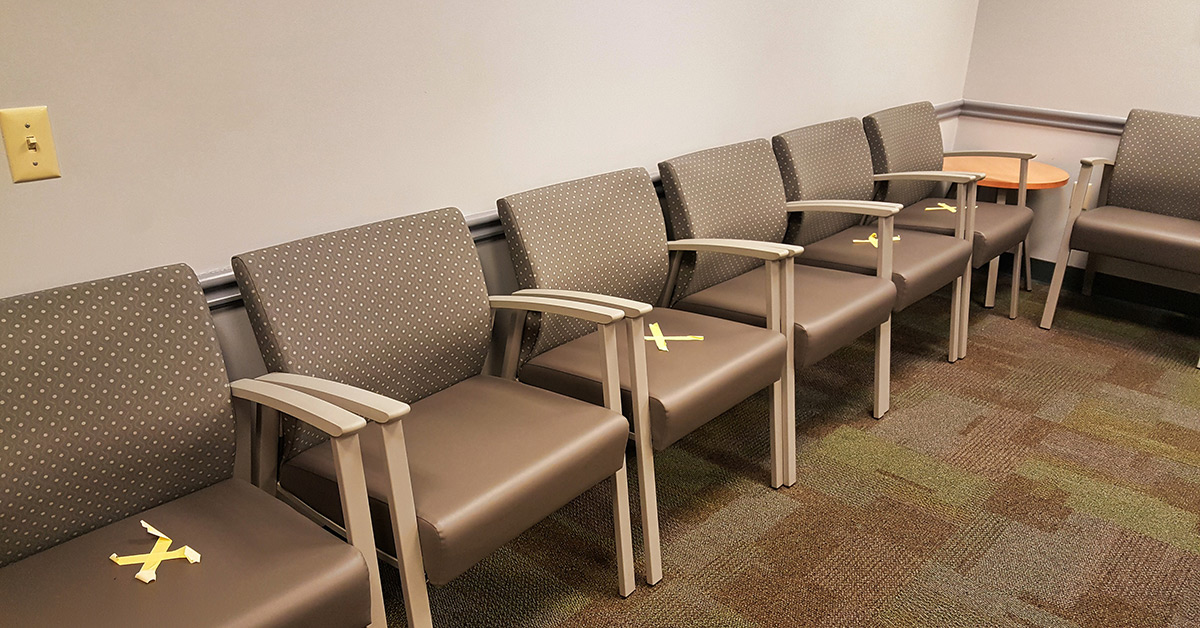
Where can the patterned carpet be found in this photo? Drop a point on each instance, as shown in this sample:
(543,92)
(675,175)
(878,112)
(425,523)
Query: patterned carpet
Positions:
(1050,479)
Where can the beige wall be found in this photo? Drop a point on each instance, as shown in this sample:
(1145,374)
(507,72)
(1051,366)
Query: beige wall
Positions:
(1093,56)
(190,131)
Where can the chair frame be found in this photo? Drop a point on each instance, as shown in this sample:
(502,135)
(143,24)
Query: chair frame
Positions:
(342,427)
(1021,252)
(1083,185)
(964,229)
(387,413)
(885,212)
(781,312)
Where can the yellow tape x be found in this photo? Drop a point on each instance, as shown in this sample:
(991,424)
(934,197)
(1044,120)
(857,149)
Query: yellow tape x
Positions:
(157,554)
(660,340)
(940,206)
(873,240)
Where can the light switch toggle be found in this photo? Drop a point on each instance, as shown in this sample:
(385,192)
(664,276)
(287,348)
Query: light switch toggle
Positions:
(29,144)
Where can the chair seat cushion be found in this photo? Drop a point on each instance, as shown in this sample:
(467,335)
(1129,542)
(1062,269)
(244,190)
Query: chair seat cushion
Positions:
(489,458)
(689,384)
(922,262)
(998,228)
(1139,236)
(262,564)
(833,307)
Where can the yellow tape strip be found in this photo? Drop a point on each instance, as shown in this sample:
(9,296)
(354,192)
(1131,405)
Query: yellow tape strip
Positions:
(873,240)
(158,553)
(660,340)
(943,206)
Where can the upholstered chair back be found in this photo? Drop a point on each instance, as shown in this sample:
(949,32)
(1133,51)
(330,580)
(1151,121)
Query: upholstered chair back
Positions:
(1157,168)
(113,400)
(599,234)
(730,191)
(397,307)
(902,139)
(830,160)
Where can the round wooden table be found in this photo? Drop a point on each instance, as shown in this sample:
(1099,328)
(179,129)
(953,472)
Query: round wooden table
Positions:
(1003,174)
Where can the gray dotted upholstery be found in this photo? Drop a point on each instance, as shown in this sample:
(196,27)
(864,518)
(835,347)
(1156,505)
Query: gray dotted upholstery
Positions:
(397,307)
(600,234)
(732,191)
(830,160)
(113,400)
(1157,168)
(904,139)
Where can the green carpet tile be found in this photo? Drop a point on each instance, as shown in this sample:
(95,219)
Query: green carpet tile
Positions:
(1052,478)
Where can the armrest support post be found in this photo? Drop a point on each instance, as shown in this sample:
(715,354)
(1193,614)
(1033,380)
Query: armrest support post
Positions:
(883,264)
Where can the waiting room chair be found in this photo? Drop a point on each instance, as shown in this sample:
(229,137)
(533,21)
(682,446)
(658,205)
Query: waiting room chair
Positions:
(602,239)
(117,409)
(908,139)
(1149,201)
(828,163)
(736,191)
(393,313)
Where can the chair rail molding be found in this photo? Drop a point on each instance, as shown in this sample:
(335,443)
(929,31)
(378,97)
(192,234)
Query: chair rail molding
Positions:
(220,287)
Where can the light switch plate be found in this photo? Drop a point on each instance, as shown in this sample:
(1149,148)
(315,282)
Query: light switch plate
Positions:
(29,144)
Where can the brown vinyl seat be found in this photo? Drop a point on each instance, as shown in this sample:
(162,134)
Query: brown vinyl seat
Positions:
(1139,236)
(687,382)
(998,228)
(848,304)
(832,161)
(262,564)
(472,496)
(736,191)
(133,421)
(908,138)
(403,317)
(1147,211)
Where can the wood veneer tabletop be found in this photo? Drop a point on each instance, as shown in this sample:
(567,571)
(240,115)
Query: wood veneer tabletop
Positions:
(1004,172)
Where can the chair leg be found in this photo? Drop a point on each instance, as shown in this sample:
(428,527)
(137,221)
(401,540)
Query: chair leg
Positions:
(640,394)
(1028,266)
(955,304)
(883,368)
(964,313)
(989,297)
(1060,269)
(1089,275)
(623,532)
(778,406)
(1016,280)
(404,526)
(788,323)
(352,488)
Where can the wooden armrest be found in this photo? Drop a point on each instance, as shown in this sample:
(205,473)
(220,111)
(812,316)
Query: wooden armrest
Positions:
(364,403)
(868,208)
(318,413)
(1096,161)
(1010,154)
(595,313)
(744,248)
(631,308)
(945,176)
